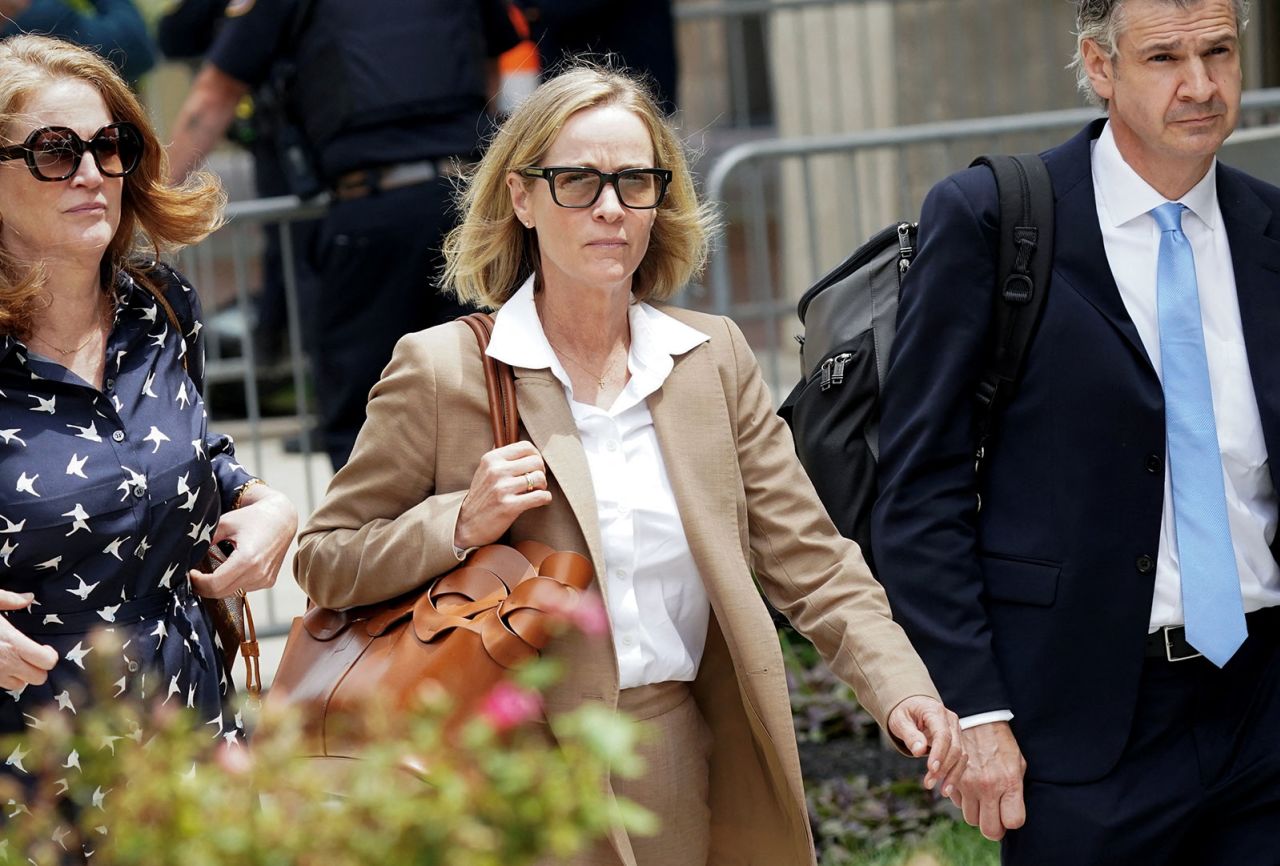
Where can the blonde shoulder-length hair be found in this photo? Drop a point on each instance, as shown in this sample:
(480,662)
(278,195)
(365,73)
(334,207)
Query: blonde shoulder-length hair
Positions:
(490,254)
(154,217)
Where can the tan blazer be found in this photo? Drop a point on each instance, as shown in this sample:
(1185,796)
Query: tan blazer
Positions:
(387,524)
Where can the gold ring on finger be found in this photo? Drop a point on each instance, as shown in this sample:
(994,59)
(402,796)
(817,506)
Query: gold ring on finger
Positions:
(528,480)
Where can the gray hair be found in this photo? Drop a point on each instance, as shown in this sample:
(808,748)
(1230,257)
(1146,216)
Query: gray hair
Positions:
(1102,20)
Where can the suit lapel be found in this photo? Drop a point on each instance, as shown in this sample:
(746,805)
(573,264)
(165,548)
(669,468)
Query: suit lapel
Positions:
(1079,256)
(693,427)
(545,413)
(1255,258)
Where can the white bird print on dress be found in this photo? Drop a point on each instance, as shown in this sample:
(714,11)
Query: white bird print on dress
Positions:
(82,591)
(7,548)
(27,485)
(81,519)
(146,386)
(10,526)
(190,504)
(120,684)
(76,654)
(155,436)
(73,760)
(108,613)
(45,405)
(98,797)
(115,401)
(198,445)
(52,619)
(15,758)
(16,693)
(12,436)
(51,563)
(90,432)
(149,314)
(164,581)
(141,550)
(76,466)
(135,480)
(174,688)
(160,631)
(159,338)
(183,487)
(63,701)
(182,397)
(114,547)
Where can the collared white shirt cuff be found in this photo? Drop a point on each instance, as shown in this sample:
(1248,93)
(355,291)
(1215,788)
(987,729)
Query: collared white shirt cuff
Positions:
(985,719)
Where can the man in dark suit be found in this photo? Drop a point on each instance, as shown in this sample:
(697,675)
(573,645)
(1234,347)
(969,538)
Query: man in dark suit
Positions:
(1099,605)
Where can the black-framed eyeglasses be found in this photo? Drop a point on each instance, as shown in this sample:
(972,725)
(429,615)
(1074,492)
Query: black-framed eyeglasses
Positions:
(54,152)
(577,186)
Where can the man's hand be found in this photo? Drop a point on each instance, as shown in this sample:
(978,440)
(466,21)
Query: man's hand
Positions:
(990,792)
(925,725)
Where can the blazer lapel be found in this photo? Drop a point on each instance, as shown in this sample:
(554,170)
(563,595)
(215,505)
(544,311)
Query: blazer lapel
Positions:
(1255,258)
(691,419)
(544,411)
(1079,256)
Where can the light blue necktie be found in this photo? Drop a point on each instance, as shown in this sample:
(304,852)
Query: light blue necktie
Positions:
(1213,611)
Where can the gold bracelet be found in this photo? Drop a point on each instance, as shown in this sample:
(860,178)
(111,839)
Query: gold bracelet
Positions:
(242,489)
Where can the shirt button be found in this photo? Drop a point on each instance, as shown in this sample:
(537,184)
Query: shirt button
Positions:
(1154,463)
(1146,564)
(110,383)
(118,436)
(620,574)
(628,640)
(133,666)
(140,489)
(611,445)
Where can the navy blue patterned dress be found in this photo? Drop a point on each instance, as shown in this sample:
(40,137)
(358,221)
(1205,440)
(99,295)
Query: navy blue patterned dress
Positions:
(107,498)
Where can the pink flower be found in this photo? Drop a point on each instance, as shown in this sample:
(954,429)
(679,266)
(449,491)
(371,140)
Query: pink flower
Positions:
(507,706)
(589,615)
(233,758)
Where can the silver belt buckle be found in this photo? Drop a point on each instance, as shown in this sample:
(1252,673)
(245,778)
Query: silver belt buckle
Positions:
(1168,645)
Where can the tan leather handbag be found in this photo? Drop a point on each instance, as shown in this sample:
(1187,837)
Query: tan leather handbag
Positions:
(343,670)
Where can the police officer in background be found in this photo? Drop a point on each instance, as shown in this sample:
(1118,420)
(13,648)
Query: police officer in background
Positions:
(388,98)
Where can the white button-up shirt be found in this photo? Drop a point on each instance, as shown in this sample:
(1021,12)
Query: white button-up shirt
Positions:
(1132,241)
(658,607)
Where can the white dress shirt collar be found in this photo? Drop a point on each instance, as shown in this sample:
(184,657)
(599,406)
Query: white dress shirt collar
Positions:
(656,338)
(1125,196)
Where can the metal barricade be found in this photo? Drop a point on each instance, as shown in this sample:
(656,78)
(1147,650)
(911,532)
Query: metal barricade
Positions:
(781,232)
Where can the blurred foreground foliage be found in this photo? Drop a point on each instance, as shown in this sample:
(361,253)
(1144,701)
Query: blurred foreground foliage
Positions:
(142,784)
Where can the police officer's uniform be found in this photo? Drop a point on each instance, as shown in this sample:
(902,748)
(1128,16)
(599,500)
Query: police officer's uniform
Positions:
(390,95)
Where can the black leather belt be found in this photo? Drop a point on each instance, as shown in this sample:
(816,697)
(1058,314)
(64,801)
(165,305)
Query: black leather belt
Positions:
(1170,643)
(367,181)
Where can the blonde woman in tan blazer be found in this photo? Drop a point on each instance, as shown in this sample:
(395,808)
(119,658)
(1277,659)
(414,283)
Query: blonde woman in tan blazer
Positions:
(652,447)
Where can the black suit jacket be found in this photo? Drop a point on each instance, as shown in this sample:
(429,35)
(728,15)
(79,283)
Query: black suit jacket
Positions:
(1039,602)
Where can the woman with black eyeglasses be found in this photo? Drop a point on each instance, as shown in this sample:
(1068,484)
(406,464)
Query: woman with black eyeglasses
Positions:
(111,488)
(651,447)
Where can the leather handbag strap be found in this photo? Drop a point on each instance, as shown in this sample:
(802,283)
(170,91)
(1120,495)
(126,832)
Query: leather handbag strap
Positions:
(500,382)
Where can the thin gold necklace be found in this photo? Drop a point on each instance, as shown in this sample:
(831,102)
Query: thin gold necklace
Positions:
(599,377)
(97,326)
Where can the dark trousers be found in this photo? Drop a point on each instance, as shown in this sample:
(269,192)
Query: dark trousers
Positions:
(378,260)
(1199,781)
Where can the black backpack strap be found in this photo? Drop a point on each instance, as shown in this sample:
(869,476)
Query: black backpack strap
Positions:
(1022,278)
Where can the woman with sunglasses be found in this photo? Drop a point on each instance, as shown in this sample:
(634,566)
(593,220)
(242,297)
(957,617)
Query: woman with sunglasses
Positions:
(652,447)
(111,488)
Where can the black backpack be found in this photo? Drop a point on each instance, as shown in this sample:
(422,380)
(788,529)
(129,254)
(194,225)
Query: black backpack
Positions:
(850,319)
